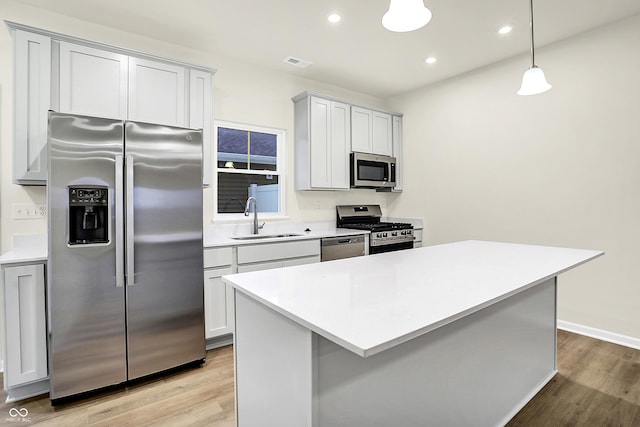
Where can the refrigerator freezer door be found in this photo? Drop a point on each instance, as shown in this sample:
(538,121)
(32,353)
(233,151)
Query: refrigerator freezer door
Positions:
(165,314)
(86,322)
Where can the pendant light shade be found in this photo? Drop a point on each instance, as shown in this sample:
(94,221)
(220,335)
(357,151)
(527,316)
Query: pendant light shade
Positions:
(533,80)
(406,15)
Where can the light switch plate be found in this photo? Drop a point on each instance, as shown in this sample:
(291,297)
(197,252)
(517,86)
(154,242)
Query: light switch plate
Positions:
(28,211)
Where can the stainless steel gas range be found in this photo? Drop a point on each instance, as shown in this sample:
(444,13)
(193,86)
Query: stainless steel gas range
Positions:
(385,236)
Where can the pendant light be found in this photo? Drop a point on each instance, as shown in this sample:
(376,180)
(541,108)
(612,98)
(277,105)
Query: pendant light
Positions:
(406,15)
(533,80)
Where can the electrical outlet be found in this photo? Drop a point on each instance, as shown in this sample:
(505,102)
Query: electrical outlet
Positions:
(29,211)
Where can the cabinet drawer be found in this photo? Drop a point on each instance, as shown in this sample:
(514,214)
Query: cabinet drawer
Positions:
(217,257)
(260,266)
(301,261)
(273,251)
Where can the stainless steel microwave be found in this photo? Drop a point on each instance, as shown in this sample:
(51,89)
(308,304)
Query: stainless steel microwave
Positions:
(372,171)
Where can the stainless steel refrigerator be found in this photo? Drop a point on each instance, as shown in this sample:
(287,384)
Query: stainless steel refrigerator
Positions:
(124,273)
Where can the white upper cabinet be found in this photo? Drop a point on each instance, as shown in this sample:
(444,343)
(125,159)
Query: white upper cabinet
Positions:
(397,151)
(381,135)
(96,82)
(328,129)
(361,122)
(66,74)
(200,116)
(371,131)
(322,141)
(32,99)
(156,92)
(93,82)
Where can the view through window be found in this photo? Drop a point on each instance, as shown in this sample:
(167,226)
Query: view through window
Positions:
(248,165)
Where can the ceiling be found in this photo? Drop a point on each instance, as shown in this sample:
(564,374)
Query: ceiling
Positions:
(357,53)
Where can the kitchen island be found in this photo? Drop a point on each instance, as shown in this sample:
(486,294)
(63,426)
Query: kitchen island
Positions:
(455,334)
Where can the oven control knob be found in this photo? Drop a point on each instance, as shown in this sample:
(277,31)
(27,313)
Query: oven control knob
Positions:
(384,235)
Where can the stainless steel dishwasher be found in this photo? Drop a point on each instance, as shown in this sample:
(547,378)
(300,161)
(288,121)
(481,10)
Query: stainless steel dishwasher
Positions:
(341,247)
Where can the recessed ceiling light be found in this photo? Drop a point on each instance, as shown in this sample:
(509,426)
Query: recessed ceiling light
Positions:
(431,60)
(334,18)
(505,29)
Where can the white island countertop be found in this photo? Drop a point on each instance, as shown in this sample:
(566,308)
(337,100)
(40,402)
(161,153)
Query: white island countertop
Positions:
(372,303)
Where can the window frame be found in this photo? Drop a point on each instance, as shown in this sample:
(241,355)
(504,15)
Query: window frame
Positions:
(280,171)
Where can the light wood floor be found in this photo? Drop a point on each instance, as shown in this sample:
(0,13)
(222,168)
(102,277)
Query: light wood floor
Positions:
(200,396)
(598,384)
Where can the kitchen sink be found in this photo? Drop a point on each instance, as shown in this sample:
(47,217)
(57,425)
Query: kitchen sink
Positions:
(265,236)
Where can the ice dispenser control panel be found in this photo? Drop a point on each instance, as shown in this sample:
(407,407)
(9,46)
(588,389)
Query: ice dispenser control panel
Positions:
(88,215)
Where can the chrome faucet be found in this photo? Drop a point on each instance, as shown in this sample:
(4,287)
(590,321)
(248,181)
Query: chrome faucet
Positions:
(254,229)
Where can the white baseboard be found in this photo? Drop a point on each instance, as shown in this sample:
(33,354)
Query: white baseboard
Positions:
(612,337)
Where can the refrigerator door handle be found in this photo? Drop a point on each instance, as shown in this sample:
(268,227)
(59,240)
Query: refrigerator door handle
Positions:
(119,224)
(130,234)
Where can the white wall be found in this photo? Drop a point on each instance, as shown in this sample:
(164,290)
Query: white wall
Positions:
(560,169)
(241,92)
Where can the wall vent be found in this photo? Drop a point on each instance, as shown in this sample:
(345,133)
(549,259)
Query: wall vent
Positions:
(300,63)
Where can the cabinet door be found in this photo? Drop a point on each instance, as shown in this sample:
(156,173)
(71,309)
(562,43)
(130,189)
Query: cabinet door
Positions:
(361,129)
(329,135)
(320,142)
(200,116)
(156,92)
(26,341)
(218,303)
(93,82)
(340,147)
(32,99)
(397,151)
(382,141)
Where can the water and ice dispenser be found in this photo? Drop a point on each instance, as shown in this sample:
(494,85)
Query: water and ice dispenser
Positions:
(88,215)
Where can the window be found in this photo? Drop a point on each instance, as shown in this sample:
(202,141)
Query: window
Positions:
(249,163)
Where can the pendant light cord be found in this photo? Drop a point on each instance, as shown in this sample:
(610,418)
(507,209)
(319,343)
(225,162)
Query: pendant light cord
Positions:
(533,61)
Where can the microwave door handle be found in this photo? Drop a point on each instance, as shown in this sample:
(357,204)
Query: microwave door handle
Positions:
(119,224)
(129,218)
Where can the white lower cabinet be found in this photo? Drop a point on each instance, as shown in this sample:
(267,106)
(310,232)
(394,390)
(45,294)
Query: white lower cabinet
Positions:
(218,296)
(277,255)
(417,243)
(218,303)
(25,370)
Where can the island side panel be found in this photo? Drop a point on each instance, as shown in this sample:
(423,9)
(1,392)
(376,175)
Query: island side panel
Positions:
(273,367)
(477,371)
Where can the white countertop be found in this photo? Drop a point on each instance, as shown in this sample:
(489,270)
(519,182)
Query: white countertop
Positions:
(225,239)
(26,248)
(369,304)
